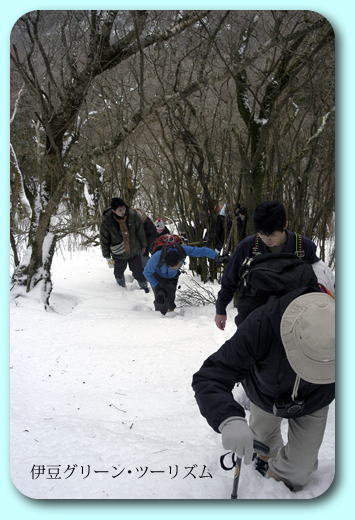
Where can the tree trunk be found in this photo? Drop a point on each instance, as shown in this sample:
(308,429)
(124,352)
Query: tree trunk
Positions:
(35,268)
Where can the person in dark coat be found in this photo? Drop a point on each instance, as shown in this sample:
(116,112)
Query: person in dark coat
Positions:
(182,233)
(240,220)
(223,228)
(122,239)
(283,354)
(271,236)
(150,233)
(161,227)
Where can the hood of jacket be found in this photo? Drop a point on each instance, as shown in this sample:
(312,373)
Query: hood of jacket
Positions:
(141,213)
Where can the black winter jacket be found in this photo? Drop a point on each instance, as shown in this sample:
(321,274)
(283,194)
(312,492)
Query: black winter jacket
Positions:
(150,230)
(110,234)
(230,278)
(165,231)
(258,361)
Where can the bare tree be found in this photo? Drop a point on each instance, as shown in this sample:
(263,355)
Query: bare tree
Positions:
(228,107)
(264,86)
(249,144)
(59,73)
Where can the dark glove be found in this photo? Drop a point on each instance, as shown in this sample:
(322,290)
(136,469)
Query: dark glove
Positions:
(157,288)
(160,298)
(221,259)
(159,294)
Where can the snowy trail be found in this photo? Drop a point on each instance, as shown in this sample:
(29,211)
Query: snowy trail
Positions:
(101,398)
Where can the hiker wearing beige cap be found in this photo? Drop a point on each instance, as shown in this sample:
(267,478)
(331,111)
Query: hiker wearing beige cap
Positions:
(284,356)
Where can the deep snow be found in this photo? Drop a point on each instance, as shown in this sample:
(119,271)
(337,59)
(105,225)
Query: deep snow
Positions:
(101,399)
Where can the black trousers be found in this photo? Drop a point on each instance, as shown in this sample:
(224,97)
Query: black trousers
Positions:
(164,293)
(135,265)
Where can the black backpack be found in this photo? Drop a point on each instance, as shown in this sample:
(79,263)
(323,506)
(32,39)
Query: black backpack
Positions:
(270,274)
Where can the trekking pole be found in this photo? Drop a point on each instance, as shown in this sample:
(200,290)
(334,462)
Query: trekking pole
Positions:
(237,468)
(237,464)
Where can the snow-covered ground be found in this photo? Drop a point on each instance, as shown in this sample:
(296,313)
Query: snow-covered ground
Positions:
(101,399)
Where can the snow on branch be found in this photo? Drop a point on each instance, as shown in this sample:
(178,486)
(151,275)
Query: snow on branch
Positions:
(22,195)
(322,126)
(16,104)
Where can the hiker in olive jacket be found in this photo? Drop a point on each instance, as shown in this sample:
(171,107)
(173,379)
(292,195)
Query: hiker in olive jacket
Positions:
(122,238)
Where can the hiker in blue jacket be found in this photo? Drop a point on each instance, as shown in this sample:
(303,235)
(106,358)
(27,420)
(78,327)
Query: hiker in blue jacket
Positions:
(163,270)
(271,236)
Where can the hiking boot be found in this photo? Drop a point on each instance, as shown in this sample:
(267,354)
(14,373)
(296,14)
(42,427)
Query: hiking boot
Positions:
(294,489)
(121,281)
(144,286)
(260,465)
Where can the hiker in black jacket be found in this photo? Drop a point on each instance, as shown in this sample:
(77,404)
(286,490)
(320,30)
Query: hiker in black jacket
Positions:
(150,233)
(271,236)
(283,355)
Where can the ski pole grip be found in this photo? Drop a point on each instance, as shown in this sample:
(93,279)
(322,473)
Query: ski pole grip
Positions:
(258,446)
(234,460)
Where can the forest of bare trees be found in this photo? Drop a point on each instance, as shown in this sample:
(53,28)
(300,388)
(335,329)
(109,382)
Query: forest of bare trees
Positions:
(174,111)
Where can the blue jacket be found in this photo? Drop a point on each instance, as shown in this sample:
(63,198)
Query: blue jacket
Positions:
(230,278)
(166,272)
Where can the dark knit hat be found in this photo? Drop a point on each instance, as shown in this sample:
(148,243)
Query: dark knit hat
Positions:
(116,202)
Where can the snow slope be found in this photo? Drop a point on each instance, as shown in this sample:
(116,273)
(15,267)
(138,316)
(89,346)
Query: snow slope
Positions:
(101,398)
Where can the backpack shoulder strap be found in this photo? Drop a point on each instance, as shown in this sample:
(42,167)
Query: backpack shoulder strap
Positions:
(299,246)
(162,257)
(255,249)
(180,249)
